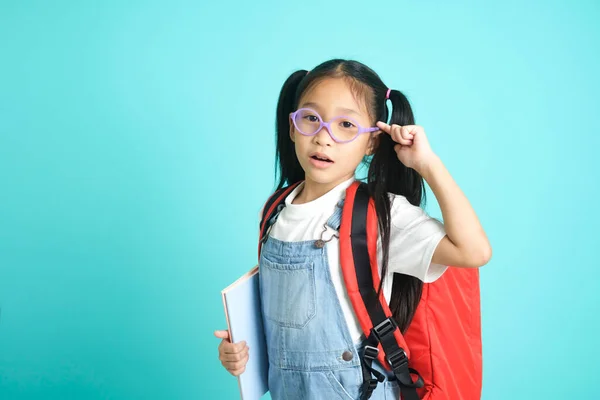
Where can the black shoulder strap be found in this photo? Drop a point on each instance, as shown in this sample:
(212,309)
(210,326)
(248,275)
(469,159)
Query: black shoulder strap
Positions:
(383,326)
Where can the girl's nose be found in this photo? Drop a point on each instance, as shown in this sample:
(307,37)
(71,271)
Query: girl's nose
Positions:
(323,137)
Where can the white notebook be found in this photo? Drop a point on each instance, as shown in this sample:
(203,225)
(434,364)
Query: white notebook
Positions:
(241,300)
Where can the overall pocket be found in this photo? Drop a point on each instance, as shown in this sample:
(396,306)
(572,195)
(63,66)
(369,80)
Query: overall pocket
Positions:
(288,292)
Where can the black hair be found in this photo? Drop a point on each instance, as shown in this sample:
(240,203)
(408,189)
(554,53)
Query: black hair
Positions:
(386,174)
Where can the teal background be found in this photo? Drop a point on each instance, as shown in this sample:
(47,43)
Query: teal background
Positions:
(137,147)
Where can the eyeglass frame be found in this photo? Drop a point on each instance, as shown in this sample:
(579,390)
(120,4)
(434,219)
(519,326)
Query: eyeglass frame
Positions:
(327,125)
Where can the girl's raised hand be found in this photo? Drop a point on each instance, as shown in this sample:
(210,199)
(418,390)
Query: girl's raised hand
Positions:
(412,146)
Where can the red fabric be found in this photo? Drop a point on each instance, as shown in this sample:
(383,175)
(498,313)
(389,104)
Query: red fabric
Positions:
(445,337)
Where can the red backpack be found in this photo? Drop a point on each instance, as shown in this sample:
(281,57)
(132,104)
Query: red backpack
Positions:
(439,356)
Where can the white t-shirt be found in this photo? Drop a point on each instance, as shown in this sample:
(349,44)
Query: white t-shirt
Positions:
(413,239)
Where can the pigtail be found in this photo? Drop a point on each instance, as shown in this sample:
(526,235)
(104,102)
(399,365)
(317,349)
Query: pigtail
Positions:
(286,161)
(388,174)
(408,183)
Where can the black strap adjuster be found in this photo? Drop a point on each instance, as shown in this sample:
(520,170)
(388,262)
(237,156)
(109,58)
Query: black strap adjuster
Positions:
(398,360)
(371,352)
(385,328)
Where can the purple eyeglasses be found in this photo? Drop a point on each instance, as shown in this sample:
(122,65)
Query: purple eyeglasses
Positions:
(308,122)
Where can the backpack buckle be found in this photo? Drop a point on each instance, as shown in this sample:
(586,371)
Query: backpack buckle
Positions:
(385,328)
(398,359)
(371,352)
(399,363)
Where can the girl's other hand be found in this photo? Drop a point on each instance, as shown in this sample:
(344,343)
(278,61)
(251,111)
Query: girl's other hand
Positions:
(233,356)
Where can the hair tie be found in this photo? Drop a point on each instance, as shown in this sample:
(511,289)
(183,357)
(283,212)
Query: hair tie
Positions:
(387,95)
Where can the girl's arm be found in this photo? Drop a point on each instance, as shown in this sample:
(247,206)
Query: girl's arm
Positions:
(465,243)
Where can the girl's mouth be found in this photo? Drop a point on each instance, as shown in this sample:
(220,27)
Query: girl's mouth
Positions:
(320,160)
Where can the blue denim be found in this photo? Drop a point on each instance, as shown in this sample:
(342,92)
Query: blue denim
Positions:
(305,328)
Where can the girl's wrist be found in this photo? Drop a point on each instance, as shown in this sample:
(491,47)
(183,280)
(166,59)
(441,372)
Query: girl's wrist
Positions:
(429,166)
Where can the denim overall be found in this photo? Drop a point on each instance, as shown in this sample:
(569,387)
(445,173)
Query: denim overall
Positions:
(311,354)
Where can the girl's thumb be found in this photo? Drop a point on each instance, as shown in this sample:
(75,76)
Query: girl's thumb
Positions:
(222,334)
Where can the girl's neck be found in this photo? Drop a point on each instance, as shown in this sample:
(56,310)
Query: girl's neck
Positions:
(313,190)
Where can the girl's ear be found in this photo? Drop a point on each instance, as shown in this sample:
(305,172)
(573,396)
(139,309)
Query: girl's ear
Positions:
(373,143)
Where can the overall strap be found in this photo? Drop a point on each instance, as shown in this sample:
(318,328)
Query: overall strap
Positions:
(335,220)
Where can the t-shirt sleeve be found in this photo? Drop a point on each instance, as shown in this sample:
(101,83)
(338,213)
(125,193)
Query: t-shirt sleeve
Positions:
(414,236)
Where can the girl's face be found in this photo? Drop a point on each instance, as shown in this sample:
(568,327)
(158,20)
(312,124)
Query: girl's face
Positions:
(331,98)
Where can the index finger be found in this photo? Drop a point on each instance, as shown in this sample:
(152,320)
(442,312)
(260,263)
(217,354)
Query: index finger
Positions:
(384,127)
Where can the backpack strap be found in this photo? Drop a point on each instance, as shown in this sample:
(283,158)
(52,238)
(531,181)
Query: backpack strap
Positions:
(270,210)
(358,257)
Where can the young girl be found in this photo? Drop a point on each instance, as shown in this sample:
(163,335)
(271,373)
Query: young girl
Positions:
(329,120)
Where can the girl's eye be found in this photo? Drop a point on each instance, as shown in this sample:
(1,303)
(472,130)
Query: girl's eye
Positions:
(311,118)
(347,124)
